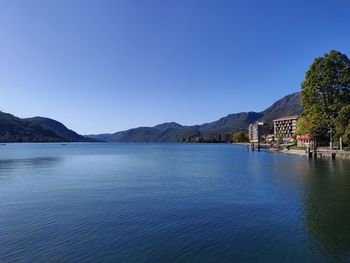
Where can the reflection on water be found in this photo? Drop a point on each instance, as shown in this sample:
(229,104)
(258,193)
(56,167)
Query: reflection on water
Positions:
(327,206)
(325,188)
(29,167)
(43,162)
(170,203)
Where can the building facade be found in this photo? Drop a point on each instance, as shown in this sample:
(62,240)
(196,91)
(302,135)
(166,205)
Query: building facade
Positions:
(285,127)
(257,131)
(303,140)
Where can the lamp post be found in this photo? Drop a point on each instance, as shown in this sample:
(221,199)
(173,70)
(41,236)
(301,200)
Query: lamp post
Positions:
(331,138)
(331,142)
(341,143)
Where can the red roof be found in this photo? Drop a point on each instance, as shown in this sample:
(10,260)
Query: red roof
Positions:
(303,137)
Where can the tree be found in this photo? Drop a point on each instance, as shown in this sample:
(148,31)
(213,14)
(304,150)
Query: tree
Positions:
(343,124)
(325,91)
(303,125)
(240,137)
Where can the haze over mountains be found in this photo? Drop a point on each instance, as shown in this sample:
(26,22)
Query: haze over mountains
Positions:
(39,129)
(172,131)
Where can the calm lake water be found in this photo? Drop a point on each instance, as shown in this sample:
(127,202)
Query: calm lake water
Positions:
(106,202)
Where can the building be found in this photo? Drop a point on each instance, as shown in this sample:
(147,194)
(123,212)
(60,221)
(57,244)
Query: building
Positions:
(303,140)
(285,127)
(257,131)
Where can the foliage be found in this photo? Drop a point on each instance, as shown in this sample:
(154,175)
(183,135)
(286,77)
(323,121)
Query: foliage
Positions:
(312,122)
(325,90)
(303,125)
(14,129)
(343,124)
(240,137)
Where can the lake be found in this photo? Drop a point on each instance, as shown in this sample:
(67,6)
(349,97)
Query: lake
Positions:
(135,202)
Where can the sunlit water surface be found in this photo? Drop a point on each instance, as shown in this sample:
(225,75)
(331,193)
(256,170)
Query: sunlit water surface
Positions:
(104,202)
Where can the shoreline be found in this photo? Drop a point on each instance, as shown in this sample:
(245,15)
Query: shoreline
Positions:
(290,152)
(344,155)
(321,153)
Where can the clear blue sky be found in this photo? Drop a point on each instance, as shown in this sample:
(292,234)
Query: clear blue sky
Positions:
(104,66)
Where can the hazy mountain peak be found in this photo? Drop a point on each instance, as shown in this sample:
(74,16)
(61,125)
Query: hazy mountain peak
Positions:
(168,125)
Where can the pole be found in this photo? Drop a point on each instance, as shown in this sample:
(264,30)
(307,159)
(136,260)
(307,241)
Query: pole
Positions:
(331,138)
(341,143)
(314,149)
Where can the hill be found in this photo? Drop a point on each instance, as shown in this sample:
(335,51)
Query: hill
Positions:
(172,131)
(37,129)
(287,106)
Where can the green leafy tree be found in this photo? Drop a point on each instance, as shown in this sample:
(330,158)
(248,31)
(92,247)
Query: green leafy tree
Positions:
(343,124)
(325,91)
(240,137)
(303,125)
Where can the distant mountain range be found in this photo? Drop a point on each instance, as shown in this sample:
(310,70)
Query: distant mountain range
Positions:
(172,131)
(37,129)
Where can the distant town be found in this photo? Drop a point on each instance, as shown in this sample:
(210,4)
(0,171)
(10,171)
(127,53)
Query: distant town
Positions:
(283,132)
(323,127)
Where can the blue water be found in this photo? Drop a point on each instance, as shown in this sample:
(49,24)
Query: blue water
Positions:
(105,202)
